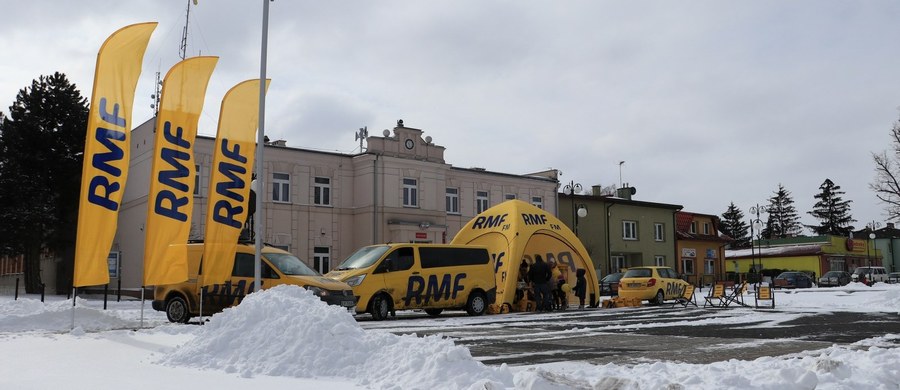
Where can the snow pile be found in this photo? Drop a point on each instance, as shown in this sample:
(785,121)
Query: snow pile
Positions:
(27,314)
(287,331)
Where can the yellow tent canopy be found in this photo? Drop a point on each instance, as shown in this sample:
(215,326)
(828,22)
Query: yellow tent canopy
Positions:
(514,231)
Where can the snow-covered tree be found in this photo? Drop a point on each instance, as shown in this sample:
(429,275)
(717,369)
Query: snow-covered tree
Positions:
(832,211)
(887,176)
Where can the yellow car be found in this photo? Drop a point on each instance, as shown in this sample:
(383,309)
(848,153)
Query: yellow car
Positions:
(654,284)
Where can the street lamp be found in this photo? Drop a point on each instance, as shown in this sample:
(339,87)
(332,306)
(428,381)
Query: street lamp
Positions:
(872,226)
(570,190)
(756,224)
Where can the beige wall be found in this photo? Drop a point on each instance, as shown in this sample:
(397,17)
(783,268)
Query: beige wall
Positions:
(366,196)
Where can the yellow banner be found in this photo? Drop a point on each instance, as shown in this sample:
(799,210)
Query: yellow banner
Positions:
(171,199)
(106,150)
(229,184)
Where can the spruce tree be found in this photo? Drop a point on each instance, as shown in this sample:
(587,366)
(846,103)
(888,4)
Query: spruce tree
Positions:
(783,220)
(733,225)
(832,211)
(41,148)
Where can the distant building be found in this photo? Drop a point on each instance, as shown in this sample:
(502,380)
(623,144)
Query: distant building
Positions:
(322,206)
(817,255)
(619,232)
(886,239)
(700,247)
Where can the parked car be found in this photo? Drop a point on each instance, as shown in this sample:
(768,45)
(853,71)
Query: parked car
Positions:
(793,279)
(869,275)
(894,277)
(834,279)
(654,284)
(609,285)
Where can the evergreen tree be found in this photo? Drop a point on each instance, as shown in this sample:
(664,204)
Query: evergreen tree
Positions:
(783,220)
(832,211)
(41,148)
(734,226)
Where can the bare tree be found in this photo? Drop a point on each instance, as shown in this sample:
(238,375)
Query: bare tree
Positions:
(886,185)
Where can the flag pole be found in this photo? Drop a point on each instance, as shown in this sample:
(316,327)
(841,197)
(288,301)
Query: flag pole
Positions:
(260,145)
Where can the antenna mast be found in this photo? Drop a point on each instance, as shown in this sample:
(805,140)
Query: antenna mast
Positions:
(182,52)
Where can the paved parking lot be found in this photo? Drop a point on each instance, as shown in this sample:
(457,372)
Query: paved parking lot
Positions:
(628,335)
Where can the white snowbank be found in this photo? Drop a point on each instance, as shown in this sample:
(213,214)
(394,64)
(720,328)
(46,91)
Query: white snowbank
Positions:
(287,331)
(26,315)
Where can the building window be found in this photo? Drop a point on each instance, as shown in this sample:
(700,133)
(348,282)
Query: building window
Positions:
(481,201)
(322,259)
(509,196)
(452,200)
(629,230)
(687,266)
(410,193)
(322,191)
(281,187)
(538,202)
(659,232)
(706,228)
(197,180)
(693,228)
(618,263)
(709,266)
(659,261)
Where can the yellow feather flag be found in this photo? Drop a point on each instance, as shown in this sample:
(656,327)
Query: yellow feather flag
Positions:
(106,150)
(170,202)
(229,185)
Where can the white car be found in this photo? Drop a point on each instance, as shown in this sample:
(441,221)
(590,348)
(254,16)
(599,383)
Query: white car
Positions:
(869,275)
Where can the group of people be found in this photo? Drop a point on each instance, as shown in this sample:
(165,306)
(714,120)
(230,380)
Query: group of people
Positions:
(549,294)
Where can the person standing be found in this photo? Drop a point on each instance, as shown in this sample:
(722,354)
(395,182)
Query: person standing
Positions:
(540,282)
(580,287)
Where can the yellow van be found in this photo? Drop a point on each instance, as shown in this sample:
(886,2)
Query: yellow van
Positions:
(432,277)
(181,301)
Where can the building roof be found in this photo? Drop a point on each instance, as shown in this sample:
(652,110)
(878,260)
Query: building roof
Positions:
(776,251)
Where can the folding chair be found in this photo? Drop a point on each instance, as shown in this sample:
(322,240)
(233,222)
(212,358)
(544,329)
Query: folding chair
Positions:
(687,297)
(716,296)
(765,293)
(737,295)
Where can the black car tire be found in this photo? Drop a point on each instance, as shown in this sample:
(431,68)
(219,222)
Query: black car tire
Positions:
(381,307)
(177,310)
(476,304)
(434,312)
(660,297)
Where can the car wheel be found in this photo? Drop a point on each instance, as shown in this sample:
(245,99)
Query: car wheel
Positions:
(477,304)
(434,312)
(660,297)
(381,307)
(177,310)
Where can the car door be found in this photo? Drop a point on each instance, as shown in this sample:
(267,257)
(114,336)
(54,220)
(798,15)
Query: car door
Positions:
(395,272)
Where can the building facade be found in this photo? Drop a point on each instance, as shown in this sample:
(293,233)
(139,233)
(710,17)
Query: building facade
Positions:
(322,206)
(700,248)
(815,255)
(619,233)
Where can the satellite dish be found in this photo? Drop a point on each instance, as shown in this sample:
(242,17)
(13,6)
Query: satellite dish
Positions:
(386,132)
(428,139)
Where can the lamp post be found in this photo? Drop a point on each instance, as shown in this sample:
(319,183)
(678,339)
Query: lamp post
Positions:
(872,226)
(570,190)
(756,225)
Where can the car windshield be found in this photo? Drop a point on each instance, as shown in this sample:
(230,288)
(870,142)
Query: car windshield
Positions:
(364,257)
(638,273)
(612,277)
(290,265)
(832,274)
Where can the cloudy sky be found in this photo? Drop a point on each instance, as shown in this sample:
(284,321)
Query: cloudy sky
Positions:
(707,102)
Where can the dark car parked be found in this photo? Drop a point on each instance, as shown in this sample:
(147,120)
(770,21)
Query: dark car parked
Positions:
(793,280)
(609,285)
(834,279)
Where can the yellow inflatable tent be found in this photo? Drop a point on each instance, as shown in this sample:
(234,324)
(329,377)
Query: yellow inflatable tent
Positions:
(514,231)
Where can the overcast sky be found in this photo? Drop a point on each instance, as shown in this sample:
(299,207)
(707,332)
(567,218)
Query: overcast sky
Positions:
(707,102)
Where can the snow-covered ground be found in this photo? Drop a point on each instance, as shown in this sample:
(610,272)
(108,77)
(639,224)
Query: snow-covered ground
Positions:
(286,338)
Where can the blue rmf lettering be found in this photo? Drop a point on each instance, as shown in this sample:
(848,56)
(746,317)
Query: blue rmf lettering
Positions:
(100,189)
(490,221)
(498,260)
(167,202)
(111,118)
(224,212)
(433,289)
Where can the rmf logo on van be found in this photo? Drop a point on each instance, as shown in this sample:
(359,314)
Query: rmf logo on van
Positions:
(433,289)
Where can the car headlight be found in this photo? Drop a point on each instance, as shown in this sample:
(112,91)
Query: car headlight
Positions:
(356,280)
(319,292)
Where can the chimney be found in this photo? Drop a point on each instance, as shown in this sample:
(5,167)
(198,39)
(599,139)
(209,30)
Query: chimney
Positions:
(890,225)
(625,192)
